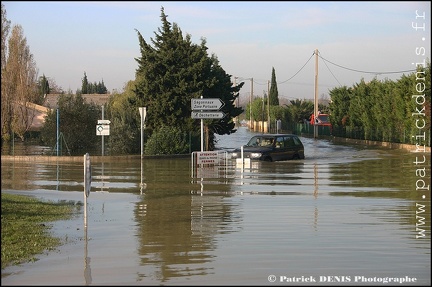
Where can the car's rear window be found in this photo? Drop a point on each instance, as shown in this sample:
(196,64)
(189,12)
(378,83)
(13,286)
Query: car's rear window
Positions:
(323,118)
(297,141)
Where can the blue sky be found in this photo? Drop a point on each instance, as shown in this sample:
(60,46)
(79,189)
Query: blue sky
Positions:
(69,38)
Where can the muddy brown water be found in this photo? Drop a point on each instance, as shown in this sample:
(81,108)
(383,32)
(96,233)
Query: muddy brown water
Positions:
(346,215)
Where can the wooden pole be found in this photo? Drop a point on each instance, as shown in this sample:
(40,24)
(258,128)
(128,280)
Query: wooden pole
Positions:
(316,95)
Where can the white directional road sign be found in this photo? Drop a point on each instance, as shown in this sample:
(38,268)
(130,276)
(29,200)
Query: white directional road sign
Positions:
(206,104)
(207,115)
(103,127)
(102,130)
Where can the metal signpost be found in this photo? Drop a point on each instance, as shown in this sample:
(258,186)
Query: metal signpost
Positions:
(87,188)
(87,184)
(206,109)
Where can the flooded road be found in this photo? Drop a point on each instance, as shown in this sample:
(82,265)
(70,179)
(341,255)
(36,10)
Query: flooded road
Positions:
(345,215)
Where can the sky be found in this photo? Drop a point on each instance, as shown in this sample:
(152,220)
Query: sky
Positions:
(354,40)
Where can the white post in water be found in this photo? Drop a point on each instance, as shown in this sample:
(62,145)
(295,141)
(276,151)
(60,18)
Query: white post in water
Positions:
(87,184)
(143,112)
(103,142)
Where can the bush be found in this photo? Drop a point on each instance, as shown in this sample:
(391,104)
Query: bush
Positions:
(167,140)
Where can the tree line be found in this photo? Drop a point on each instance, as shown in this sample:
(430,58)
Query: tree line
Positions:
(20,83)
(171,71)
(383,110)
(387,110)
(92,88)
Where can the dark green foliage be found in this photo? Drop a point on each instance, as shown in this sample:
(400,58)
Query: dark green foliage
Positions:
(274,94)
(167,140)
(383,110)
(125,131)
(339,106)
(78,122)
(300,110)
(172,72)
(92,88)
(259,109)
(84,86)
(44,88)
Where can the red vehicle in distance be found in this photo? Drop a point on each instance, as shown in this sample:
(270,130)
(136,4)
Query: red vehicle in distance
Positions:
(321,120)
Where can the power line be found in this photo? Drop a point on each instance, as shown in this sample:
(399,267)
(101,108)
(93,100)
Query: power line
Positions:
(298,70)
(340,66)
(265,83)
(366,72)
(331,72)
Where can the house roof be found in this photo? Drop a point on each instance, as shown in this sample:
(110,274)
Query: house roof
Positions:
(51,100)
(36,115)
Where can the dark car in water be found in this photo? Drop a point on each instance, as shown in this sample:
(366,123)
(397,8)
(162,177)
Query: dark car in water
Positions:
(272,147)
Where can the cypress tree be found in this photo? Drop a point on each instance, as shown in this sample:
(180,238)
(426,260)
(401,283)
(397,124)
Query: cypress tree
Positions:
(171,72)
(274,95)
(84,86)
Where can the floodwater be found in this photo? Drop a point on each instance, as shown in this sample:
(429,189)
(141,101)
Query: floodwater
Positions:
(345,215)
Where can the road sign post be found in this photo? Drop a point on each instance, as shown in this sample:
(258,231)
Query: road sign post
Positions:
(206,109)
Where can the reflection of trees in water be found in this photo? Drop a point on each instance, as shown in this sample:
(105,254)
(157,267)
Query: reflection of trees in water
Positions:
(29,175)
(176,232)
(392,176)
(283,176)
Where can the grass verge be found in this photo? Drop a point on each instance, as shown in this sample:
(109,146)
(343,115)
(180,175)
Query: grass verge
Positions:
(25,227)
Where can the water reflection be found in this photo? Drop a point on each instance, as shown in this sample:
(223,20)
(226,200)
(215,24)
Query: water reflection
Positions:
(177,233)
(87,259)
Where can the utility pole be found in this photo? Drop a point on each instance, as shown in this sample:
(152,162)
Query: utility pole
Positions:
(58,132)
(103,144)
(250,108)
(238,98)
(316,95)
(236,121)
(268,106)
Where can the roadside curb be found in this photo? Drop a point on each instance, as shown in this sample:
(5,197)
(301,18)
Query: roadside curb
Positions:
(408,147)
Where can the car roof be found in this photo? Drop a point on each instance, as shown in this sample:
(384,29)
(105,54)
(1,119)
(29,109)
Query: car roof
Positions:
(273,135)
